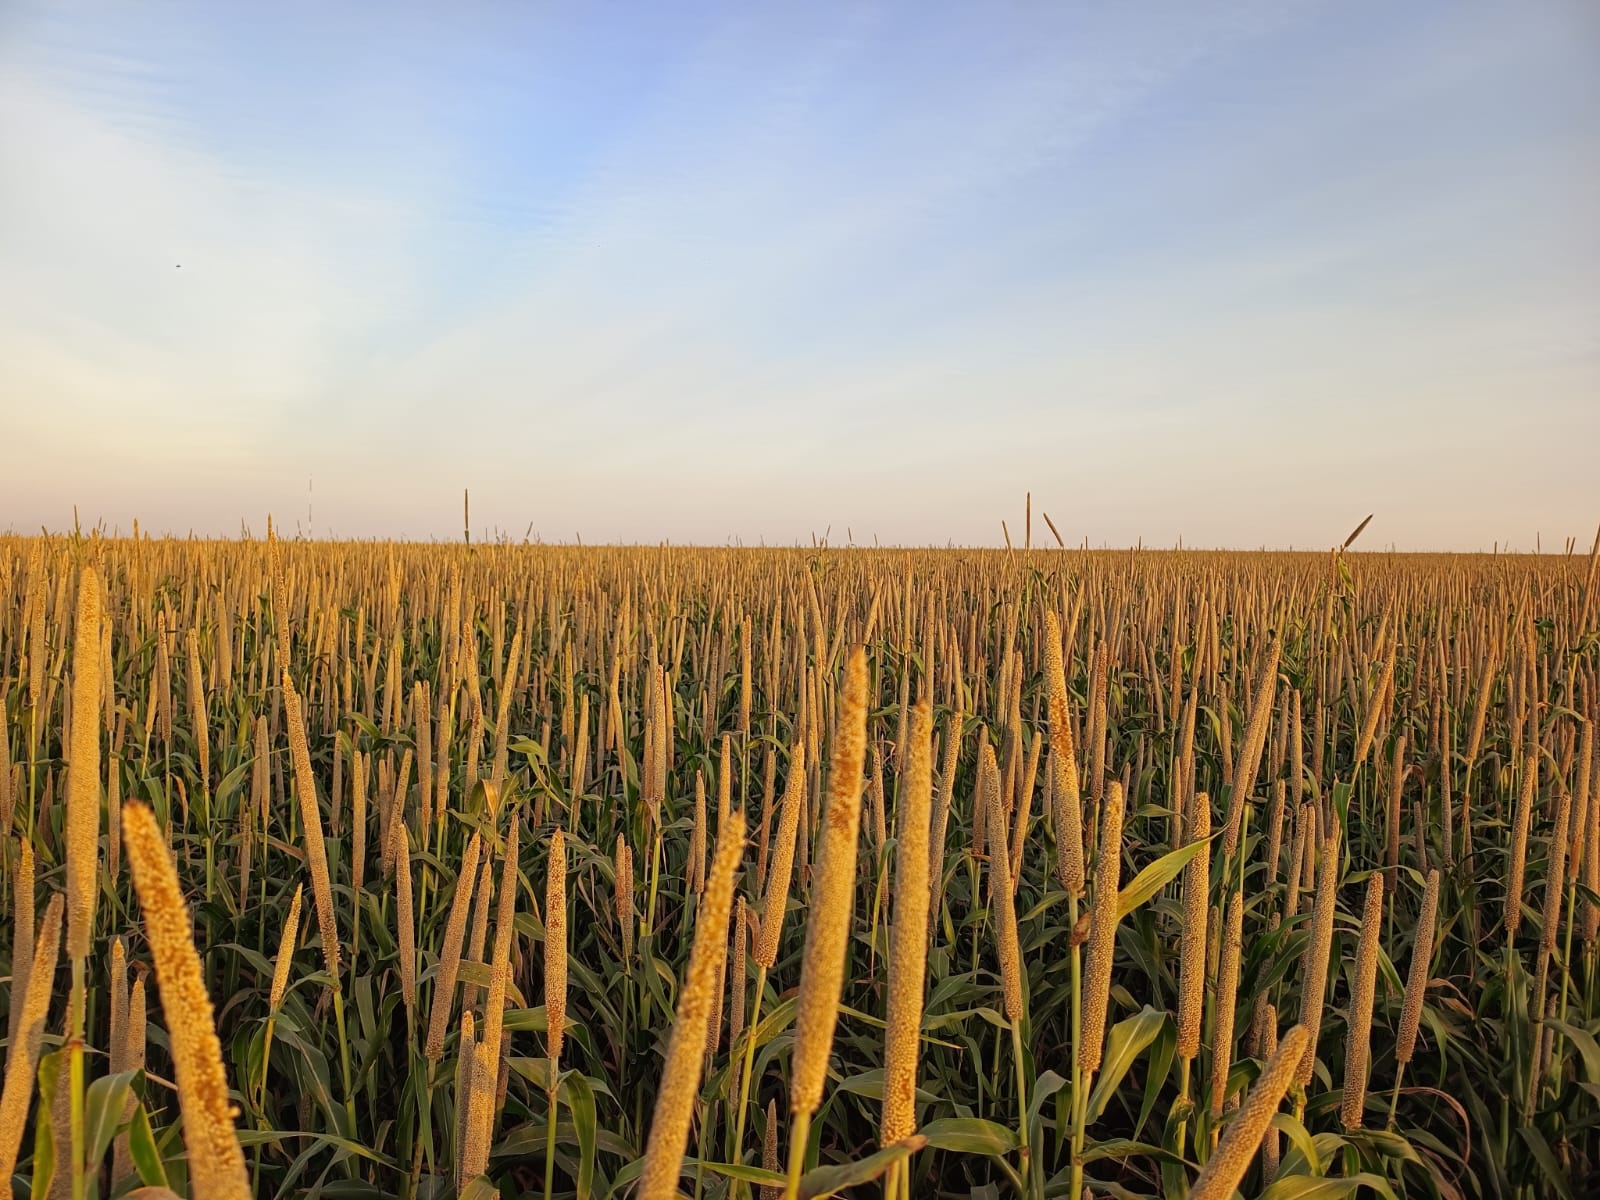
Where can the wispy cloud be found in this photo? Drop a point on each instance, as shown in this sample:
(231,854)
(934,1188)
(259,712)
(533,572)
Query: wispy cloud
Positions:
(1223,273)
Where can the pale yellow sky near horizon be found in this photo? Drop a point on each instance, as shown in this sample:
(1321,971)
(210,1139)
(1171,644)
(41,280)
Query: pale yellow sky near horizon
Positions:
(1236,274)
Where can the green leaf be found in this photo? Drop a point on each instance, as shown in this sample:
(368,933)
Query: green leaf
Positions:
(969,1135)
(1120,1148)
(1303,1144)
(1546,1159)
(826,1181)
(1166,1047)
(267,1137)
(1156,876)
(44,1147)
(1044,1087)
(1584,1041)
(103,1106)
(1307,1187)
(142,1149)
(740,1171)
(481,1188)
(580,1103)
(1127,1041)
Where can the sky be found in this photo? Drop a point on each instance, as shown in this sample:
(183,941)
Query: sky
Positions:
(1235,273)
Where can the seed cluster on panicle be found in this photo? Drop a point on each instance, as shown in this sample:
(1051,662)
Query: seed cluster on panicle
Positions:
(908,947)
(285,958)
(1242,1138)
(83,770)
(311,827)
(22,1054)
(216,1163)
(680,1076)
(1358,1041)
(1192,947)
(775,900)
(828,923)
(1102,931)
(555,947)
(444,984)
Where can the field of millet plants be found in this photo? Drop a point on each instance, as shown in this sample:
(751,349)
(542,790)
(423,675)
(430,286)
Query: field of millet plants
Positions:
(376,869)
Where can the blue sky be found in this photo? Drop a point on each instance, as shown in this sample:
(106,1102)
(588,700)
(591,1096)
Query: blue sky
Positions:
(1236,273)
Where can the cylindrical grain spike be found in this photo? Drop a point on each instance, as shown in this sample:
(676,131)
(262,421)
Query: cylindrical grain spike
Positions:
(500,967)
(1270,1140)
(444,983)
(1417,976)
(216,1163)
(1192,947)
(908,946)
(133,1059)
(776,898)
(1358,1039)
(22,925)
(1229,1161)
(680,1078)
(1102,931)
(311,827)
(1319,944)
(1227,1002)
(555,947)
(83,770)
(404,915)
(280,966)
(769,1153)
(1000,892)
(1519,847)
(119,1006)
(622,865)
(1255,740)
(22,1056)
(828,925)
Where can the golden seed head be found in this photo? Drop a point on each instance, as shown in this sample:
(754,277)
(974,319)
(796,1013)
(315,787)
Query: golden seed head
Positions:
(480,1109)
(769,1152)
(1519,847)
(680,1078)
(494,1007)
(22,926)
(404,916)
(83,773)
(119,1004)
(1417,976)
(216,1163)
(1227,1001)
(1102,931)
(280,968)
(697,837)
(138,1019)
(1000,891)
(1240,1140)
(305,783)
(908,945)
(555,946)
(781,865)
(22,1058)
(1319,944)
(1192,948)
(736,972)
(444,984)
(1255,740)
(828,925)
(1358,1047)
(624,875)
